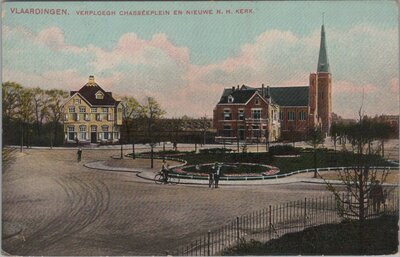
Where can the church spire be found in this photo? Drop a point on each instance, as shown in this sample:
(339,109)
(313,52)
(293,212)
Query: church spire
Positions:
(323,63)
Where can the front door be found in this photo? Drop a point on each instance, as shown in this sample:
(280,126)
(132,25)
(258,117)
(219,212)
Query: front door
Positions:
(93,137)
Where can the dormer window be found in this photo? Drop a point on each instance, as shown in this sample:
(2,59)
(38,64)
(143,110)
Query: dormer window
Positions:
(230,99)
(99,95)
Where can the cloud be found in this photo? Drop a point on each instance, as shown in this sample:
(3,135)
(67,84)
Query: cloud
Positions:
(394,85)
(361,61)
(349,87)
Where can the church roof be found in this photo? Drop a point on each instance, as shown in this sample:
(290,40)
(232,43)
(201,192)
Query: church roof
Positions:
(323,63)
(290,96)
(283,96)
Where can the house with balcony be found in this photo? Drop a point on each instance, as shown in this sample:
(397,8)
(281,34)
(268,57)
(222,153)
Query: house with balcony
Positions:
(92,115)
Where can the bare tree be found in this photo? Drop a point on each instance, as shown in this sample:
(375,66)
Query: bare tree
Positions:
(151,111)
(205,125)
(25,114)
(359,180)
(40,106)
(131,111)
(56,99)
(315,139)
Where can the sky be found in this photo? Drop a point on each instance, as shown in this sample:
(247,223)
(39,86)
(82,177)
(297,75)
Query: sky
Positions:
(185,61)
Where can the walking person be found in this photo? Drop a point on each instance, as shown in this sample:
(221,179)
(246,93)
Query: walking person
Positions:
(79,154)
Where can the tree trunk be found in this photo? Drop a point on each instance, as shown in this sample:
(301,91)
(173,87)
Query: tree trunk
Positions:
(383,148)
(133,150)
(151,157)
(22,136)
(315,162)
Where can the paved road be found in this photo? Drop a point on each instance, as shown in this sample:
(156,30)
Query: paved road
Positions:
(67,209)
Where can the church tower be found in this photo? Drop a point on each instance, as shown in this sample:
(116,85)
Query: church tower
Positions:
(320,92)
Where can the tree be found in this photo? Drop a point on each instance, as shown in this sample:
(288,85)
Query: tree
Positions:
(383,132)
(315,138)
(55,102)
(359,179)
(10,101)
(25,113)
(151,111)
(40,105)
(335,133)
(131,111)
(205,125)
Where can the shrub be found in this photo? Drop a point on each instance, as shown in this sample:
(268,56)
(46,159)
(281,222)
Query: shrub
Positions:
(215,150)
(283,150)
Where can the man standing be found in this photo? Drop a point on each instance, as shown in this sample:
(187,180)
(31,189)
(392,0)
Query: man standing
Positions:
(79,154)
(217,174)
(376,194)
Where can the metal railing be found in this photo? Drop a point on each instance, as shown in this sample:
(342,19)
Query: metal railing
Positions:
(275,221)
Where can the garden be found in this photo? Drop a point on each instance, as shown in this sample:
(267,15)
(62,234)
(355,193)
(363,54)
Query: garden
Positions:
(282,159)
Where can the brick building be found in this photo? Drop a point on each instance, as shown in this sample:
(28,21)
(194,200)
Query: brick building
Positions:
(92,115)
(274,112)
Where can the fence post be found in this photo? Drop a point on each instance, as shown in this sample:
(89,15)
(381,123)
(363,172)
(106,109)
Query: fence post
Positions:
(270,221)
(237,229)
(305,212)
(208,242)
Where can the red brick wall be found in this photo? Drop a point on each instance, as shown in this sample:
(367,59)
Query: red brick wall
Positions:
(325,100)
(219,121)
(297,124)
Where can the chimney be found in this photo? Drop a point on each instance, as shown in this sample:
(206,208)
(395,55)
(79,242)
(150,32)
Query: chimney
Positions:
(238,87)
(233,89)
(91,79)
(268,93)
(262,90)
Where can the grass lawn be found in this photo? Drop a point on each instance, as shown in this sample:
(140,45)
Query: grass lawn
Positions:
(381,237)
(286,164)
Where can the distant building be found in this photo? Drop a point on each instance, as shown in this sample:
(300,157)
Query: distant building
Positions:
(273,112)
(92,115)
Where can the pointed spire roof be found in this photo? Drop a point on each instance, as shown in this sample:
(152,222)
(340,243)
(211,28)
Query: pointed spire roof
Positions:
(323,63)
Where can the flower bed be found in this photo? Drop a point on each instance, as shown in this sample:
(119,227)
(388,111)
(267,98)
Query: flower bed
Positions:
(229,169)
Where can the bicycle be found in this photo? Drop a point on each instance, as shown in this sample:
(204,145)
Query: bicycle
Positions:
(159,179)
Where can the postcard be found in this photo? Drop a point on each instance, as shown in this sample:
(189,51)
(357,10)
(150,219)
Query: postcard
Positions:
(200,128)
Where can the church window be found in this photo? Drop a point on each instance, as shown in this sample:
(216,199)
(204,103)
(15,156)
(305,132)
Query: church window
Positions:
(302,116)
(281,115)
(291,116)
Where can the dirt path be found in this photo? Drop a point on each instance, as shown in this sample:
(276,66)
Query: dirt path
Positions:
(67,209)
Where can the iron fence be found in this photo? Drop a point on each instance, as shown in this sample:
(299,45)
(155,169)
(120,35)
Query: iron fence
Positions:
(275,221)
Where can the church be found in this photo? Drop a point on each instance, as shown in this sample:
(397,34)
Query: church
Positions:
(272,112)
